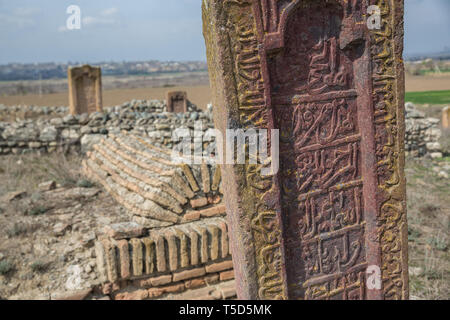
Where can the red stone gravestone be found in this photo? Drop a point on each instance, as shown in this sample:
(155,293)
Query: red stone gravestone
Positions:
(331,224)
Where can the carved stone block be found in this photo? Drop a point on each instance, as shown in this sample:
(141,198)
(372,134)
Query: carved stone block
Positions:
(446,118)
(85,89)
(177,101)
(331,223)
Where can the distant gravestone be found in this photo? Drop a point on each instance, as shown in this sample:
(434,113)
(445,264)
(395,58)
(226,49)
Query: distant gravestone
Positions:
(331,224)
(177,101)
(85,89)
(446,118)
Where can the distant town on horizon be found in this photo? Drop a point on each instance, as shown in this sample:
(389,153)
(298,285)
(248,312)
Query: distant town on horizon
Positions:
(56,70)
(52,70)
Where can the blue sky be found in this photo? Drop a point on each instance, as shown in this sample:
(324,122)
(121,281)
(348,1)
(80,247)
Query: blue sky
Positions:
(33,31)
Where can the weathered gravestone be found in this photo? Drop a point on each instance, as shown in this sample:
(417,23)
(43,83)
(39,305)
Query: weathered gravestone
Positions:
(331,224)
(85,89)
(177,101)
(446,118)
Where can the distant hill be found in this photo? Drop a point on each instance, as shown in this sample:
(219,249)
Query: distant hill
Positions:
(43,71)
(444,55)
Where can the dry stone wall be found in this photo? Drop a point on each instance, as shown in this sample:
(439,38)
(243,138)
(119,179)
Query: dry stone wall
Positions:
(55,130)
(79,132)
(422,134)
(23,112)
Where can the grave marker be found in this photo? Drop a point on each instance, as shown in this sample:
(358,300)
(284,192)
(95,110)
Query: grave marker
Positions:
(446,118)
(85,89)
(177,102)
(331,224)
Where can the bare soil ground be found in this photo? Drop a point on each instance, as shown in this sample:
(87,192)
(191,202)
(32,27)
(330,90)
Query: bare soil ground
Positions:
(199,95)
(45,236)
(198,91)
(24,87)
(431,82)
(428,190)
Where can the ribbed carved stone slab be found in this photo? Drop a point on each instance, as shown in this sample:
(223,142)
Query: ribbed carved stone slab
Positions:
(155,190)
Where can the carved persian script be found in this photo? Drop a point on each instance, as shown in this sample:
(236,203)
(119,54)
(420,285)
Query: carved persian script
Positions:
(331,223)
(85,89)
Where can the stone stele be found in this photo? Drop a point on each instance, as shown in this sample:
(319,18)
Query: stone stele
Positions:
(85,89)
(177,101)
(331,223)
(446,118)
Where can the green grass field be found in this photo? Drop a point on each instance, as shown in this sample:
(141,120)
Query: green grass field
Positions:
(428,97)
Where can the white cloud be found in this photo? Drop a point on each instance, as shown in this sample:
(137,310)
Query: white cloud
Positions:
(106,17)
(26,11)
(109,12)
(62,29)
(93,21)
(20,17)
(16,20)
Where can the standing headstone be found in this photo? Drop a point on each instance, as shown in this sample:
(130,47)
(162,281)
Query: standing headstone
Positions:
(331,224)
(85,89)
(177,102)
(446,118)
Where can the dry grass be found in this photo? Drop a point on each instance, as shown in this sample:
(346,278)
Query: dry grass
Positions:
(25,172)
(38,256)
(429,226)
(6,267)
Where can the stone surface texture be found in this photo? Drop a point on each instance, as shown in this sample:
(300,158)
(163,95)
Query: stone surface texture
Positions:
(335,90)
(178,238)
(446,118)
(177,101)
(146,118)
(85,89)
